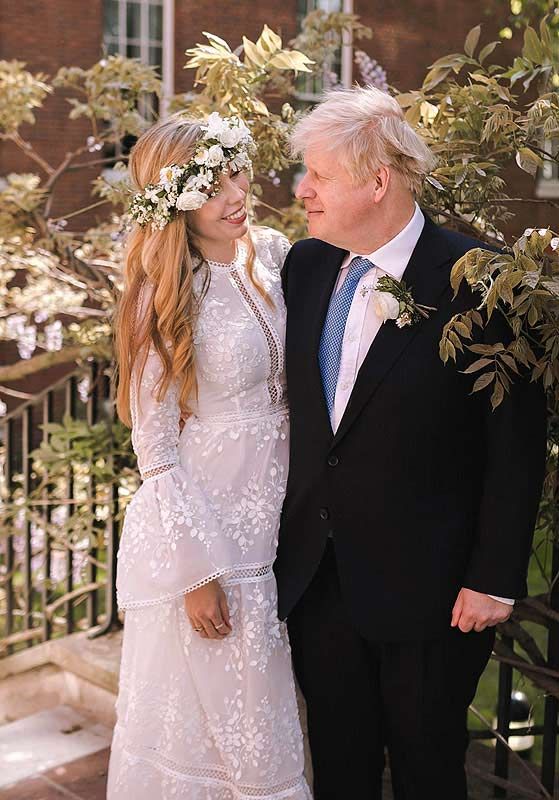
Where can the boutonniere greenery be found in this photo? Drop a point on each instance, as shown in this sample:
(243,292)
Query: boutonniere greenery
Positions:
(392,299)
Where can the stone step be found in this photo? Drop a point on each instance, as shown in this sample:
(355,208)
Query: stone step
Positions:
(74,670)
(46,741)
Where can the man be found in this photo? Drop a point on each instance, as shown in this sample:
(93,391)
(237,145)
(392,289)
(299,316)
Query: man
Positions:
(410,506)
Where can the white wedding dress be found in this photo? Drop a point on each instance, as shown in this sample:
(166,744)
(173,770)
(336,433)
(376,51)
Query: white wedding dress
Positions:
(200,719)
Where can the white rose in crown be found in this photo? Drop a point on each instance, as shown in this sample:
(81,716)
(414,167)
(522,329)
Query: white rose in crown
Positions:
(215,155)
(189,201)
(201,157)
(385,306)
(231,137)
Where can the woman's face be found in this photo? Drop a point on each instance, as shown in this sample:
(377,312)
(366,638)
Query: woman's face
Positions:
(223,218)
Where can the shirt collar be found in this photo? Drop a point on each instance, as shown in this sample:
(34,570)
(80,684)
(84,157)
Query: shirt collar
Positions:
(393,256)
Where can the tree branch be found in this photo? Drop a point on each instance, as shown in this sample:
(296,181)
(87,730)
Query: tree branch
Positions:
(30,152)
(21,369)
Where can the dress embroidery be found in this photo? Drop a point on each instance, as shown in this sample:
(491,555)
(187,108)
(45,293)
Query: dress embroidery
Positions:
(200,719)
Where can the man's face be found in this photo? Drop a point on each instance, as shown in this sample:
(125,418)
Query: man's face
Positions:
(336,208)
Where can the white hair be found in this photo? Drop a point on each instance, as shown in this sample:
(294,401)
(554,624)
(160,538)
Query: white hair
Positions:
(366,128)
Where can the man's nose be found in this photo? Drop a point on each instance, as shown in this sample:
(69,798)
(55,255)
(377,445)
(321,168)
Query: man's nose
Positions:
(304,189)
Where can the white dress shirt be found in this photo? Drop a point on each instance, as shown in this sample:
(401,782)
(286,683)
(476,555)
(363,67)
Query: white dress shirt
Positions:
(363,323)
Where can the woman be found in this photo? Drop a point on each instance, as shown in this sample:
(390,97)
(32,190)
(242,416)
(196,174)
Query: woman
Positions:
(206,709)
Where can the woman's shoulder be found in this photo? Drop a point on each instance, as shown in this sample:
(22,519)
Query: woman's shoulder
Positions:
(269,241)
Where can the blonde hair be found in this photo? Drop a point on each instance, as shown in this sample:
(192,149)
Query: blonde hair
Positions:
(366,128)
(166,261)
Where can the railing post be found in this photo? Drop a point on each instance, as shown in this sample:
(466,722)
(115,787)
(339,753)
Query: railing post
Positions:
(47,511)
(92,410)
(503,720)
(112,532)
(551,712)
(9,466)
(70,408)
(26,447)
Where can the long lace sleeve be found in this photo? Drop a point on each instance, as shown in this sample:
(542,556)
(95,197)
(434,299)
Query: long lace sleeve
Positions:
(170,543)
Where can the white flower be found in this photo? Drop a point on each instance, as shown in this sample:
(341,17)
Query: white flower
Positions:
(188,201)
(385,306)
(152,194)
(215,125)
(215,155)
(201,156)
(167,176)
(53,336)
(554,243)
(231,137)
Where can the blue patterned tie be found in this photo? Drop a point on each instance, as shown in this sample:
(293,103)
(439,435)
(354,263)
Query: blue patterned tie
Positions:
(330,349)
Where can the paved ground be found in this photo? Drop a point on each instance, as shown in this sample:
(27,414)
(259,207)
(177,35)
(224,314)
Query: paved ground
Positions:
(60,755)
(86,779)
(82,779)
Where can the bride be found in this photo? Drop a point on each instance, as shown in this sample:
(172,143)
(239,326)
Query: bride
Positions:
(207,708)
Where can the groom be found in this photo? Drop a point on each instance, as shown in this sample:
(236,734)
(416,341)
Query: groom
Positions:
(410,506)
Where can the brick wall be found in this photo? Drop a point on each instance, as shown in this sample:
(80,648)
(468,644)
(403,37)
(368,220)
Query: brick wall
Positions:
(407,38)
(47,36)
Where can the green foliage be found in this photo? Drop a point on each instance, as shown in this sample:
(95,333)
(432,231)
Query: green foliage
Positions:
(20,93)
(112,92)
(20,196)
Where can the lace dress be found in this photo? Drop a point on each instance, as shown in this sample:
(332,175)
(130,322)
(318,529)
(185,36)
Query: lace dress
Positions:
(200,719)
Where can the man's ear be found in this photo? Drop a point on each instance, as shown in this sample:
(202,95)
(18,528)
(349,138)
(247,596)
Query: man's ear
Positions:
(381,182)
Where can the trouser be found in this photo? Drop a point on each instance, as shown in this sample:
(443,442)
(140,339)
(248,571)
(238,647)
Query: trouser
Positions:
(362,697)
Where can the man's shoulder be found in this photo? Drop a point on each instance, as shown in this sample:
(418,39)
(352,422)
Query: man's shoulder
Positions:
(460,243)
(311,250)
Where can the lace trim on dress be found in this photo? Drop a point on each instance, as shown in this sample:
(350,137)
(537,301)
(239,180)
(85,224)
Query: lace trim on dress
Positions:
(166,598)
(226,417)
(248,573)
(275,350)
(218,776)
(154,470)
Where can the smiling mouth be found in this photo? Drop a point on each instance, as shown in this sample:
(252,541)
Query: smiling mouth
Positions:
(236,215)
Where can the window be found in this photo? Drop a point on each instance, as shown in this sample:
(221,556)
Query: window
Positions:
(339,70)
(135,29)
(547,184)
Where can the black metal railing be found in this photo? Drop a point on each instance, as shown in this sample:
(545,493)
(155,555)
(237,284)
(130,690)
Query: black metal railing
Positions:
(548,731)
(36,604)
(54,584)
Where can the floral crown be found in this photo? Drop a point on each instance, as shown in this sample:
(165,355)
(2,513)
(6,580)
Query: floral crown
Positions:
(225,144)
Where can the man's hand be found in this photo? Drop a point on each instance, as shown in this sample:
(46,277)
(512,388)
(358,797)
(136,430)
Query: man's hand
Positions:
(477,611)
(207,611)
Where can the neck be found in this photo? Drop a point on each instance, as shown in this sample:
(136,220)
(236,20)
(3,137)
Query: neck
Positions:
(223,252)
(382,228)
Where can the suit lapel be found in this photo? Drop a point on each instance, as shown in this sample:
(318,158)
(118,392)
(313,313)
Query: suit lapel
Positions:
(427,280)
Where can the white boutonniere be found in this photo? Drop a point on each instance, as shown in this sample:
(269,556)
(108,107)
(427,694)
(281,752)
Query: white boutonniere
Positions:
(391,299)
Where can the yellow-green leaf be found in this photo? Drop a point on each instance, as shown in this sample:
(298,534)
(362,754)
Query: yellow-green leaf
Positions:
(477,365)
(532,49)
(486,51)
(497,396)
(483,381)
(290,60)
(253,53)
(472,40)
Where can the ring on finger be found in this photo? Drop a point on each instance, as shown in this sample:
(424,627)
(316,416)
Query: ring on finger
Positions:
(217,627)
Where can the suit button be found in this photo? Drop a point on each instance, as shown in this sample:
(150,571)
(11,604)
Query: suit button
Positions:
(324,514)
(333,461)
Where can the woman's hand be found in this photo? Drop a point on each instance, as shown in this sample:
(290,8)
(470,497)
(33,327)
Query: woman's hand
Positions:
(207,610)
